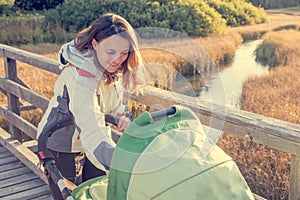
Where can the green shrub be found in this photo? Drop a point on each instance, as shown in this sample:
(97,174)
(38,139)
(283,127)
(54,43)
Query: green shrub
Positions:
(161,18)
(182,16)
(36,5)
(6,7)
(238,12)
(266,54)
(208,21)
(30,29)
(20,30)
(256,15)
(287,27)
(249,36)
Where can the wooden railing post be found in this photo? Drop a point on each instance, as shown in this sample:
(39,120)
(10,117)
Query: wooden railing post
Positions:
(294,193)
(13,101)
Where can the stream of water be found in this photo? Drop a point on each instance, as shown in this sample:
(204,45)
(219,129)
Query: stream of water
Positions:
(225,88)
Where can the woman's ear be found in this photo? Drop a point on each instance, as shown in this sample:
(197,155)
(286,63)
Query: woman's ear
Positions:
(94,43)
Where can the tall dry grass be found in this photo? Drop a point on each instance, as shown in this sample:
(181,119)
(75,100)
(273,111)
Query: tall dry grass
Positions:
(275,95)
(279,92)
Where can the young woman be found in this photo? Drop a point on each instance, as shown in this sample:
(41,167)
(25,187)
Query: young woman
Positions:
(100,63)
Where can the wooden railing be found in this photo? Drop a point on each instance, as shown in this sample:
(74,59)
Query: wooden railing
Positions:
(274,133)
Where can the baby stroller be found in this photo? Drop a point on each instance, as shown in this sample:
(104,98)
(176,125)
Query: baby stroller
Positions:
(161,155)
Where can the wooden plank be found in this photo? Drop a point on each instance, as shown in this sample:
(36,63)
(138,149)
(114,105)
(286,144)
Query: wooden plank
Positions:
(295,178)
(44,197)
(5,154)
(32,193)
(23,186)
(18,121)
(11,181)
(6,160)
(33,59)
(16,172)
(27,157)
(13,101)
(24,93)
(31,145)
(2,149)
(10,166)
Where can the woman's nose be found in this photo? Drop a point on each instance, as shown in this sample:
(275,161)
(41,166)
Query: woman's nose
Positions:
(117,59)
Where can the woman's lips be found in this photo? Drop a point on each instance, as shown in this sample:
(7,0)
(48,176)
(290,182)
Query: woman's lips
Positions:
(113,65)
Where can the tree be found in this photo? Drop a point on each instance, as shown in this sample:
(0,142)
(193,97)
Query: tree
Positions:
(37,4)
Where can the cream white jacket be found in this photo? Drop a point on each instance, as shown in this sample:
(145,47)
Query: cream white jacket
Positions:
(90,99)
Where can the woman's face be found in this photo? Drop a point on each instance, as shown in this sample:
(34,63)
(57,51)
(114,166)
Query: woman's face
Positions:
(112,52)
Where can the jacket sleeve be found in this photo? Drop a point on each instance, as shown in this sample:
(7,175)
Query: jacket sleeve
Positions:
(119,107)
(111,98)
(95,136)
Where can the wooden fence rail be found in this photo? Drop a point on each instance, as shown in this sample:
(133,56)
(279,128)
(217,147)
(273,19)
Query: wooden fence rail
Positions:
(274,133)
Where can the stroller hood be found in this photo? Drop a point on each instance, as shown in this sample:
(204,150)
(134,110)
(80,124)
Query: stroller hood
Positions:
(172,158)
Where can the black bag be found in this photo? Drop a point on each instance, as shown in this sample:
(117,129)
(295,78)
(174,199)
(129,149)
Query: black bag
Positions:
(61,121)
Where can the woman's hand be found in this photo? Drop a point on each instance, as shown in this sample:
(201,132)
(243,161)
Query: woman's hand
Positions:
(123,123)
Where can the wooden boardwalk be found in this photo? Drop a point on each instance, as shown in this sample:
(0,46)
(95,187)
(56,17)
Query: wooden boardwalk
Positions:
(18,182)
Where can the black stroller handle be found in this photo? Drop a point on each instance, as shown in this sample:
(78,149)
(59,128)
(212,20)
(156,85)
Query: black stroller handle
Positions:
(158,115)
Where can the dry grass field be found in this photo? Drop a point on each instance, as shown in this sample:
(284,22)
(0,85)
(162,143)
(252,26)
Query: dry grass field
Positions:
(275,95)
